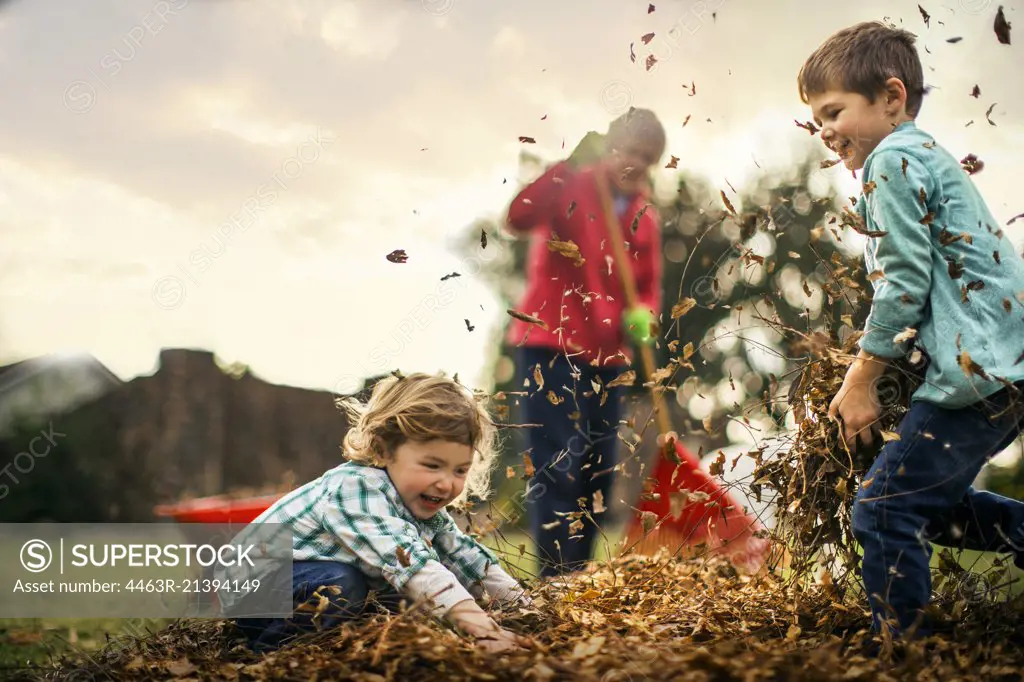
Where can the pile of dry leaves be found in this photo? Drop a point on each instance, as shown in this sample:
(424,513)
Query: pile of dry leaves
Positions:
(636,618)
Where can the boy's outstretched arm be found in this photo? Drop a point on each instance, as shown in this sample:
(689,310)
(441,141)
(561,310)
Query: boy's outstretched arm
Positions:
(898,192)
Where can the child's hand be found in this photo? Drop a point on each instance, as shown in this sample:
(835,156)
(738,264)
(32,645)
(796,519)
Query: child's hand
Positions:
(856,405)
(501,640)
(475,622)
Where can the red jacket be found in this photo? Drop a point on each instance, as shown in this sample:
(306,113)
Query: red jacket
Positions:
(590,298)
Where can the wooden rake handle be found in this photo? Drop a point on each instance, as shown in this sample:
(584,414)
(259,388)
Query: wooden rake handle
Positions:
(629,286)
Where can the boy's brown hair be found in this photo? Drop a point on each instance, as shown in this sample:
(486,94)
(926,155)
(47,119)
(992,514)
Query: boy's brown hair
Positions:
(860,59)
(421,407)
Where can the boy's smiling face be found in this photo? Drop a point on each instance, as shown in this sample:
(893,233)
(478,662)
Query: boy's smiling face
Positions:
(852,126)
(429,475)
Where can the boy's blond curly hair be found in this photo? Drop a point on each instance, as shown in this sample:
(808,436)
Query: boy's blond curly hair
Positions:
(421,407)
(861,58)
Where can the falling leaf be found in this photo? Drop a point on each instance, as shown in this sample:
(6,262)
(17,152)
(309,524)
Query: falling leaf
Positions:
(483,239)
(555,399)
(1015,218)
(904,163)
(528,469)
(988,114)
(688,351)
(972,164)
(924,15)
(627,378)
(717,468)
(403,556)
(956,39)
(527,318)
(684,306)
(808,126)
(928,218)
(673,162)
(469,326)
(397,256)
(449,276)
(906,335)
(976,92)
(728,204)
(651,61)
(632,54)
(510,472)
(180,667)
(828,163)
(869,187)
(707,423)
(544,117)
(686,120)
(970,367)
(650,8)
(527,140)
(648,520)
(693,90)
(569,249)
(599,507)
(538,377)
(1002,27)
(647,38)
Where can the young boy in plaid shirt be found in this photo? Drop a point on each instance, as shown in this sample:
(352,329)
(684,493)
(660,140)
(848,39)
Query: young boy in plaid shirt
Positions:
(950,279)
(379,522)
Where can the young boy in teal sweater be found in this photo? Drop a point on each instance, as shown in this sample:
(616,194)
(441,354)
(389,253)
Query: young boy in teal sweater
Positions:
(949,279)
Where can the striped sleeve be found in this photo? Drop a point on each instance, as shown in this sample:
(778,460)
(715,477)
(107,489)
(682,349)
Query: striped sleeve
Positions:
(362,518)
(461,554)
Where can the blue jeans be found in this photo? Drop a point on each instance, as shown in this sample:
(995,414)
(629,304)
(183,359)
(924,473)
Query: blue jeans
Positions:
(919,491)
(574,456)
(307,577)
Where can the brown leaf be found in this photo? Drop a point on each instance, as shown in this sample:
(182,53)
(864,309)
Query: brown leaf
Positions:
(970,367)
(1007,306)
(599,507)
(569,249)
(510,472)
(483,239)
(728,204)
(538,377)
(956,269)
(673,162)
(995,255)
(808,126)
(651,61)
(397,256)
(1002,27)
(906,335)
(976,92)
(954,40)
(876,275)
(904,165)
(632,54)
(988,114)
(527,318)
(684,306)
(555,399)
(650,8)
(869,187)
(928,218)
(648,520)
(528,469)
(647,38)
(972,164)
(469,327)
(717,468)
(403,556)
(180,667)
(828,163)
(686,120)
(627,378)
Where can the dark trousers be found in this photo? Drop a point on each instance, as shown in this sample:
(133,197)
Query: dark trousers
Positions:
(573,454)
(919,490)
(346,603)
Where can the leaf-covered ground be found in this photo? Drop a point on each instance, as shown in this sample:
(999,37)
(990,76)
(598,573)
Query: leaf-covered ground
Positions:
(635,618)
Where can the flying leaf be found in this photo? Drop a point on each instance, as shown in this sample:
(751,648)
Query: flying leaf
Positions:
(647,38)
(483,239)
(397,256)
(449,276)
(1002,27)
(988,114)
(527,318)
(528,469)
(651,61)
(808,126)
(538,377)
(684,306)
(569,249)
(904,163)
(956,39)
(717,468)
(632,54)
(906,335)
(673,162)
(686,120)
(970,367)
(648,520)
(924,15)
(828,163)
(976,92)
(876,275)
(650,8)
(469,327)
(627,378)
(972,164)
(599,507)
(728,204)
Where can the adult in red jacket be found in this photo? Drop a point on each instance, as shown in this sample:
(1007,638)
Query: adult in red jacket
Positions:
(580,298)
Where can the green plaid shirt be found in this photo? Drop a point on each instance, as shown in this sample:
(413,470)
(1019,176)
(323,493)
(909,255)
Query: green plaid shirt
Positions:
(353,514)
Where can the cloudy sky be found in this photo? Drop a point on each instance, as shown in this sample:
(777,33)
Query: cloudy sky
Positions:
(231,175)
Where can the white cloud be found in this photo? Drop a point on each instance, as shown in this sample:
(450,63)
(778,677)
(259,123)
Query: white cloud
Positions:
(349,27)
